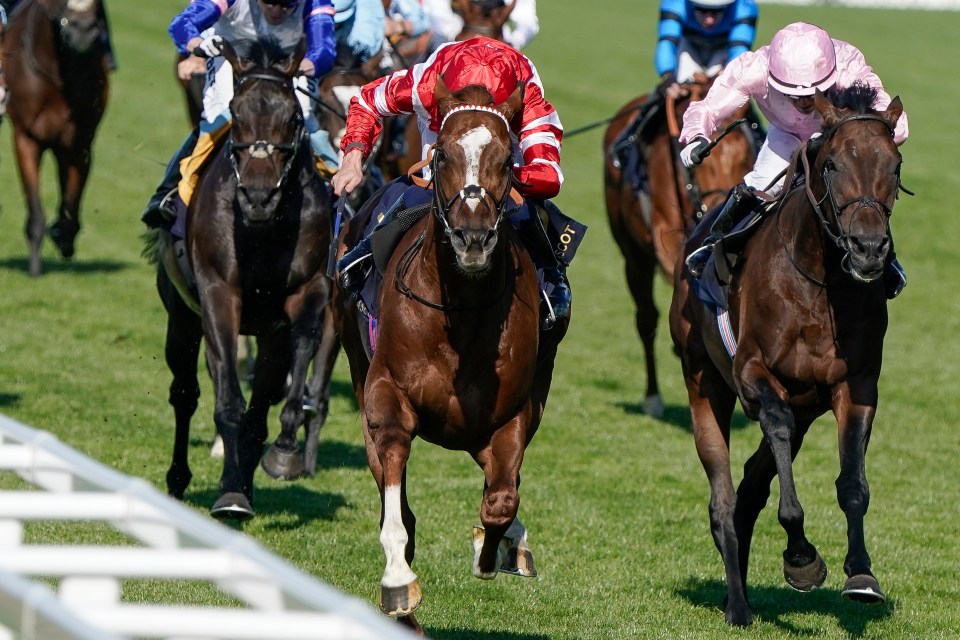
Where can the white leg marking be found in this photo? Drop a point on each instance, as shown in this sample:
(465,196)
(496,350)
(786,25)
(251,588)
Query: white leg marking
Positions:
(472,143)
(393,537)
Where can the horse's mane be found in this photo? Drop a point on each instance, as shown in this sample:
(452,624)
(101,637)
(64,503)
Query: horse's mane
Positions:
(859,97)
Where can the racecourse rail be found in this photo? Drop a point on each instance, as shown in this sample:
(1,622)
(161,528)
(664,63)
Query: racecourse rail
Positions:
(282,602)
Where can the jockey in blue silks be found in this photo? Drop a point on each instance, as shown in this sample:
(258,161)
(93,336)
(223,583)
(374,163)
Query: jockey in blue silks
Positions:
(699,36)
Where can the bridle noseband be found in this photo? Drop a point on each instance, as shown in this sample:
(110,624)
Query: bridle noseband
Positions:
(264,148)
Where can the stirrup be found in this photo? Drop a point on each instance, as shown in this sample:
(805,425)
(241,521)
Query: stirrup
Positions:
(354,269)
(697,261)
(556,305)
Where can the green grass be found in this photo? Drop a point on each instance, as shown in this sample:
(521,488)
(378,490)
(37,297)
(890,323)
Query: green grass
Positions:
(616,502)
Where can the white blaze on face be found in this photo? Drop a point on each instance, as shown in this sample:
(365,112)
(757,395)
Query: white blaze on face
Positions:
(473,143)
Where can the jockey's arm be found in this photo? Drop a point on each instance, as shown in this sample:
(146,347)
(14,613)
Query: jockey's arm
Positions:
(186,27)
(318,27)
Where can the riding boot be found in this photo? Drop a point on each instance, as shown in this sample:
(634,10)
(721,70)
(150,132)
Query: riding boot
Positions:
(162,208)
(557,294)
(357,263)
(739,204)
(894,278)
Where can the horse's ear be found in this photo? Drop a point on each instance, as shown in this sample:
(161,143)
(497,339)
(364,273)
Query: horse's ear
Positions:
(504,14)
(291,65)
(893,112)
(442,96)
(514,103)
(828,112)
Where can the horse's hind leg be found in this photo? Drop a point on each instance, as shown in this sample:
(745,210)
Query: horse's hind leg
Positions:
(74,171)
(853,494)
(641,269)
(181,351)
(28,164)
(803,567)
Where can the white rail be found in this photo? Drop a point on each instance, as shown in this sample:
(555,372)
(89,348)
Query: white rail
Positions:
(282,602)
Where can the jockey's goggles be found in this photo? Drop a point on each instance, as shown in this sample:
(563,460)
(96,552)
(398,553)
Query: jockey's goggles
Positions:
(286,4)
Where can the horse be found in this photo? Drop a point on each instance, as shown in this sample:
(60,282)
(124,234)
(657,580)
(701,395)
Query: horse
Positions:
(807,318)
(482,18)
(257,232)
(649,230)
(57,78)
(460,359)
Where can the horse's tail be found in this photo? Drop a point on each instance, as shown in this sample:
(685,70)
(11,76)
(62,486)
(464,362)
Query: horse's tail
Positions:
(151,246)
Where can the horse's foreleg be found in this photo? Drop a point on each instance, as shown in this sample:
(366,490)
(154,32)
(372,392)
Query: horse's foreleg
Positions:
(501,467)
(28,164)
(803,568)
(283,460)
(318,389)
(853,494)
(221,320)
(391,424)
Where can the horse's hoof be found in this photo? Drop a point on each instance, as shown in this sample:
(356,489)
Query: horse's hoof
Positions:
(232,506)
(283,465)
(653,406)
(400,601)
(863,588)
(518,561)
(64,245)
(806,578)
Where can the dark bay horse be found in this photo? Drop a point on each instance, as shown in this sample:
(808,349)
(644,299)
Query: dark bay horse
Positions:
(482,18)
(257,234)
(650,224)
(460,360)
(57,77)
(807,318)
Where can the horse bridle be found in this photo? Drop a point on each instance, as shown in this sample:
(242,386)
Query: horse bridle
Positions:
(840,237)
(442,208)
(264,148)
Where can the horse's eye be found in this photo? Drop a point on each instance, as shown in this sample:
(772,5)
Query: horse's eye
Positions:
(830,165)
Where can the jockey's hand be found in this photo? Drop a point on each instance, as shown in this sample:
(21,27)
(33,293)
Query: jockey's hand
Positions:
(350,174)
(676,91)
(307,68)
(189,67)
(693,153)
(209,47)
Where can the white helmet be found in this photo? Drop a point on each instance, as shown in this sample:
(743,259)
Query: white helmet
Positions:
(712,5)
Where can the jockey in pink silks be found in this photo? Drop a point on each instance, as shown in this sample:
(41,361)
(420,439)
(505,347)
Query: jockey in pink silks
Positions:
(782,79)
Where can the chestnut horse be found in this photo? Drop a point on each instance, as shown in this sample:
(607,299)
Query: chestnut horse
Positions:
(650,230)
(257,234)
(807,317)
(57,78)
(460,359)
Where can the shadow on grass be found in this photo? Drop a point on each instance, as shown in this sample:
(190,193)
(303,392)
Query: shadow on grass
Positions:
(773,605)
(678,415)
(331,454)
(474,634)
(59,265)
(9,399)
(292,505)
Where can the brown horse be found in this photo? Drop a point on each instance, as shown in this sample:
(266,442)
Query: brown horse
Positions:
(57,78)
(482,20)
(460,359)
(257,234)
(807,318)
(650,230)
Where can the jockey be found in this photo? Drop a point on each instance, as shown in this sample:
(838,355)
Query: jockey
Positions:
(407,21)
(7,6)
(200,30)
(694,36)
(521,27)
(782,78)
(360,26)
(500,68)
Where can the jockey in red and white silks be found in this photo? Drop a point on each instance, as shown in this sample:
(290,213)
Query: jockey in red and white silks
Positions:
(481,61)
(782,77)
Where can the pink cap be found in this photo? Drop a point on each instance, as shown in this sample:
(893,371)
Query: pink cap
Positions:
(802,59)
